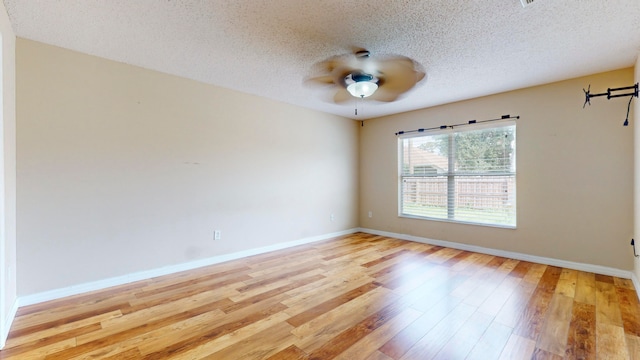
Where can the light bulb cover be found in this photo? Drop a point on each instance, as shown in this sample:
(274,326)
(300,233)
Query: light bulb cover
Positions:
(362,89)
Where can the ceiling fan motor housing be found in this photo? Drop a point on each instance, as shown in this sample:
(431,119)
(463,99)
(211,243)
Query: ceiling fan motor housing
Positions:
(361,77)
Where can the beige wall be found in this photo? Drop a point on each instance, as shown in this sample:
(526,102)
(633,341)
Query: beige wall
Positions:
(574,173)
(8,179)
(122,169)
(635,122)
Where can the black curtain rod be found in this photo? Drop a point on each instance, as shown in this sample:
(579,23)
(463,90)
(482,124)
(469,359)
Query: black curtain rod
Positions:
(470,122)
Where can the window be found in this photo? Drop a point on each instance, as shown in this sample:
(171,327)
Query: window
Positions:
(467,175)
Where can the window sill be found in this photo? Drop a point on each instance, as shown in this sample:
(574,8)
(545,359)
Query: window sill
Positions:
(407,216)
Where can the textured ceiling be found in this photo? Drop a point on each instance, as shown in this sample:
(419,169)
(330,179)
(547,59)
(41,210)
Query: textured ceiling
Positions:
(469,48)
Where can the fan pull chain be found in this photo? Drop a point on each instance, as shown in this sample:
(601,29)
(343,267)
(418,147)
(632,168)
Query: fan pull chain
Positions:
(356,109)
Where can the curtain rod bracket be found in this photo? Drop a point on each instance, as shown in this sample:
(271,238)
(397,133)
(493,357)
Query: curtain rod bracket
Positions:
(588,95)
(470,122)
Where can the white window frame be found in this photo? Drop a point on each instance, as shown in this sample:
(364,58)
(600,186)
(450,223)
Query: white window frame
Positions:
(451,174)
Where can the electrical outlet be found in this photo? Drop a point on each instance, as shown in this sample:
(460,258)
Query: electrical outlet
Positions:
(370,213)
(332,217)
(217,235)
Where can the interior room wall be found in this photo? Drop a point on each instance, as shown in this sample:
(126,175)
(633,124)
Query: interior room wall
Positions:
(635,123)
(574,173)
(122,169)
(8,177)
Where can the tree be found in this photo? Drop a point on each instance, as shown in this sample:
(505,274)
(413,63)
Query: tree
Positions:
(483,150)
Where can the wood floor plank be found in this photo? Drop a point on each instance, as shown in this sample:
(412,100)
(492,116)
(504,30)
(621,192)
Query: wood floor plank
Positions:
(156,314)
(131,332)
(404,267)
(623,283)
(52,340)
(514,307)
(408,278)
(521,269)
(535,274)
(586,288)
(291,353)
(385,258)
(486,284)
(443,255)
(157,339)
(471,285)
(457,258)
(236,305)
(535,311)
(214,278)
(633,344)
(604,278)
(539,354)
(611,342)
(313,334)
(215,330)
(518,347)
(473,262)
(435,339)
(261,345)
(397,346)
(99,298)
(377,355)
(581,342)
(357,296)
(607,306)
(310,295)
(329,305)
(567,283)
(352,335)
(463,341)
(223,290)
(492,342)
(65,319)
(368,345)
(131,354)
(16,341)
(247,292)
(195,350)
(40,352)
(498,298)
(628,303)
(553,335)
(408,284)
(429,294)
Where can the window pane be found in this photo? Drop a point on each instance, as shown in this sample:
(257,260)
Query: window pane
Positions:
(486,199)
(425,156)
(463,175)
(425,196)
(485,150)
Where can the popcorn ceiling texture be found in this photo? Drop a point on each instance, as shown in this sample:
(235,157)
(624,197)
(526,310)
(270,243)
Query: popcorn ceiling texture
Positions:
(469,48)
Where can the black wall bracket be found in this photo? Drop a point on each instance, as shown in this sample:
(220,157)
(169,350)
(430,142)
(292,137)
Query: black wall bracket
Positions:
(633,243)
(613,93)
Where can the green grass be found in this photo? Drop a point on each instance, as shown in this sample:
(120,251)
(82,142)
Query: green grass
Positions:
(494,217)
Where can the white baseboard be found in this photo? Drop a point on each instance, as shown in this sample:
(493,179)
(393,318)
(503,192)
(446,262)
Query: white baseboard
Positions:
(7,324)
(636,284)
(143,275)
(603,270)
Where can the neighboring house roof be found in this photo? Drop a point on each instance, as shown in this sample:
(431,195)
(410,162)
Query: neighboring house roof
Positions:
(414,157)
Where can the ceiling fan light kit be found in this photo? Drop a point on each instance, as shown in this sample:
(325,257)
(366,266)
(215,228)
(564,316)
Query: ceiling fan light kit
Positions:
(382,78)
(361,85)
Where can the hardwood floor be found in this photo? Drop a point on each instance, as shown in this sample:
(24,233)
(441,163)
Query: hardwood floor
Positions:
(358,297)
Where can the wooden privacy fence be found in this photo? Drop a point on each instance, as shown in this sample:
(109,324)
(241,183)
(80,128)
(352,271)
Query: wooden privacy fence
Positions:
(484,193)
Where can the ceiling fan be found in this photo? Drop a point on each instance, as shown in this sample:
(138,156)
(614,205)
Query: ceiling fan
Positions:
(359,75)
